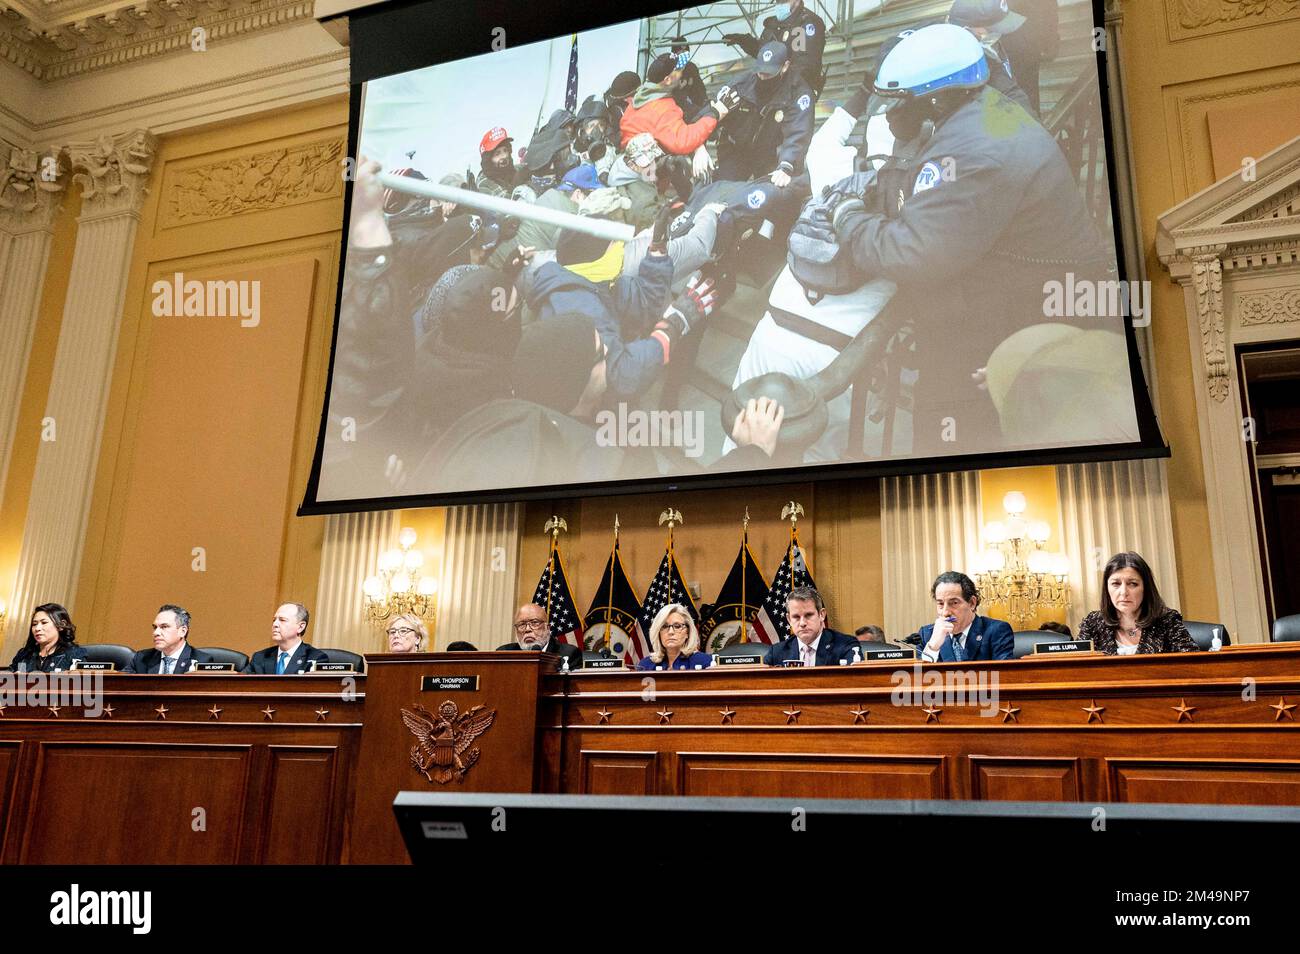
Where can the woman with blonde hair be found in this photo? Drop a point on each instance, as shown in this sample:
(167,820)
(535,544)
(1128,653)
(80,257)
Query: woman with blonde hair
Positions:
(407,634)
(676,641)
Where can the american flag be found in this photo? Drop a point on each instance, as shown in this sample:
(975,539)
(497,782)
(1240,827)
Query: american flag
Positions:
(571,90)
(615,612)
(771,624)
(553,593)
(667,587)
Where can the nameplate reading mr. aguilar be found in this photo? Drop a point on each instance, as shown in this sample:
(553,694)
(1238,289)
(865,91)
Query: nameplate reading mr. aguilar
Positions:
(85,665)
(449,684)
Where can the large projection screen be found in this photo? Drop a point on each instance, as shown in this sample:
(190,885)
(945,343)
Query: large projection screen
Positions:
(902,223)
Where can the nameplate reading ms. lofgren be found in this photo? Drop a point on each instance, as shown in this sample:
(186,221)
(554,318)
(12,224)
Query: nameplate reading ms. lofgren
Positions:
(449,684)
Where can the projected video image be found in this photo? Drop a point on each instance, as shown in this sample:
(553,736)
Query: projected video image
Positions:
(688,246)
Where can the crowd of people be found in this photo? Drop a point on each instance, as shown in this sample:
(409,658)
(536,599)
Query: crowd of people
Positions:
(464,332)
(1132,619)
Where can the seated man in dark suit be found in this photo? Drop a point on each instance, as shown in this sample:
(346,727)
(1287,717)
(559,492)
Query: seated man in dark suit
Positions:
(172,652)
(533,631)
(813,642)
(288,655)
(959,634)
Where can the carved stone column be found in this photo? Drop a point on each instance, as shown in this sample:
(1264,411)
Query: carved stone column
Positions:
(29,203)
(113,173)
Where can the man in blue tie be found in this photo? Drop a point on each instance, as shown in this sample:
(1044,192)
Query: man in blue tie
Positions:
(171,653)
(959,634)
(289,655)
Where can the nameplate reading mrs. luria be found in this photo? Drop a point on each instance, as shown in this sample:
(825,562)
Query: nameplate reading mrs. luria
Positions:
(1072,646)
(449,684)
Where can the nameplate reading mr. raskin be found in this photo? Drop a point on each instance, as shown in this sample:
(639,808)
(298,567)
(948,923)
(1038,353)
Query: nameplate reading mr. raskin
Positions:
(888,655)
(449,684)
(1073,646)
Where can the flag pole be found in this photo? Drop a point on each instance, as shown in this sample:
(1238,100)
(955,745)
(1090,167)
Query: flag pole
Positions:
(609,609)
(671,517)
(553,526)
(744,572)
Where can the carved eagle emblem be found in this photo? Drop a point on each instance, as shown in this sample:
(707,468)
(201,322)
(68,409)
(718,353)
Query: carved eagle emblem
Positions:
(442,741)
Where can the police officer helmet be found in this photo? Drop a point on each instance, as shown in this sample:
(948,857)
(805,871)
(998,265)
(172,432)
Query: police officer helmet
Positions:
(934,58)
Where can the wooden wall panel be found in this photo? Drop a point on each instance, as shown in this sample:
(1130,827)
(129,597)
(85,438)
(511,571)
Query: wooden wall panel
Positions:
(762,774)
(618,773)
(299,804)
(1205,782)
(154,790)
(1025,779)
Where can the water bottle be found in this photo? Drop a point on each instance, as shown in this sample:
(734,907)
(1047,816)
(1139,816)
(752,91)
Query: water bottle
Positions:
(1216,641)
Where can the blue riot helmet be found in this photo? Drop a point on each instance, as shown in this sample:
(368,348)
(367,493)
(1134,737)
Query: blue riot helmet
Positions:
(928,61)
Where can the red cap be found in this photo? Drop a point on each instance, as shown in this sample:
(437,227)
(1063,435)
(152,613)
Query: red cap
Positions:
(493,138)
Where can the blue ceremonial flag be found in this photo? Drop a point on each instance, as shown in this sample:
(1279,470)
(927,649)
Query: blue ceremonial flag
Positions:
(613,621)
(667,587)
(553,593)
(571,90)
(739,601)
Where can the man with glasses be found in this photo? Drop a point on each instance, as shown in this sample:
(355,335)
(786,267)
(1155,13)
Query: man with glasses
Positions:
(958,633)
(533,631)
(407,634)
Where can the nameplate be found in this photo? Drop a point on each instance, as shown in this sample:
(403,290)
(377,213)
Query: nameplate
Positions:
(613,662)
(1071,646)
(333,667)
(888,655)
(212,667)
(743,659)
(85,665)
(449,684)
(792,663)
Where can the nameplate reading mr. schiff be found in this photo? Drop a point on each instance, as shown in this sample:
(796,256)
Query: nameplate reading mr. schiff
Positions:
(212,667)
(449,684)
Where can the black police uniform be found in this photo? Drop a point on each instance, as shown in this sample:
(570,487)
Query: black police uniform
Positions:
(767,128)
(992,214)
(806,61)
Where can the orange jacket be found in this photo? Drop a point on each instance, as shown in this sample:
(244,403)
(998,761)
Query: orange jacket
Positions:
(662,118)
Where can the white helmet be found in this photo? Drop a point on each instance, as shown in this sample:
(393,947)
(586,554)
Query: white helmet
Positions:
(933,58)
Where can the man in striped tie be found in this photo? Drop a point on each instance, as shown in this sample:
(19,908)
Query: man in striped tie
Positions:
(959,633)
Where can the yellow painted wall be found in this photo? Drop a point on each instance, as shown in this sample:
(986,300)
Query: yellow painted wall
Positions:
(1038,484)
(1184,84)
(210,426)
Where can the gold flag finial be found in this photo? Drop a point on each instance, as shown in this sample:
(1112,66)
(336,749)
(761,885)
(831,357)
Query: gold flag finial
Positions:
(615,526)
(555,525)
(792,511)
(745,526)
(670,517)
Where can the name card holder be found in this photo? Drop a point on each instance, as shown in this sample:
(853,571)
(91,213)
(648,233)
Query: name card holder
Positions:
(212,667)
(85,665)
(613,662)
(1069,646)
(888,655)
(325,667)
(745,659)
(449,684)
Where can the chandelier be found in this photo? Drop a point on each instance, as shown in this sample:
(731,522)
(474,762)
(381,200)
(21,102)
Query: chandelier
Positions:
(398,588)
(1015,570)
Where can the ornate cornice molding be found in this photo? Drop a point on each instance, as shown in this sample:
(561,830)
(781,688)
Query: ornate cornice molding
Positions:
(29,196)
(133,31)
(1192,18)
(1274,307)
(113,172)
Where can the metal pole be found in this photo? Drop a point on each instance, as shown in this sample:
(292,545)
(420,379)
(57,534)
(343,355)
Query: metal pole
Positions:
(600,228)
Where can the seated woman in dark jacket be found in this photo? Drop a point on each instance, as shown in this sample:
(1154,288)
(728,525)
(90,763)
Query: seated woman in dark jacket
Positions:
(676,641)
(51,644)
(1133,618)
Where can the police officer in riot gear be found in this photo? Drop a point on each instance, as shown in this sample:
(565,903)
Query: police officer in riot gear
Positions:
(767,133)
(991,215)
(803,33)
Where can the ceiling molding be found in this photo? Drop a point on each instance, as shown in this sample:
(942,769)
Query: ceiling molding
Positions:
(60,39)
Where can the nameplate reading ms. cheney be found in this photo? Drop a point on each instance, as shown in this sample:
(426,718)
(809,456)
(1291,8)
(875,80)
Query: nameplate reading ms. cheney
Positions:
(449,684)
